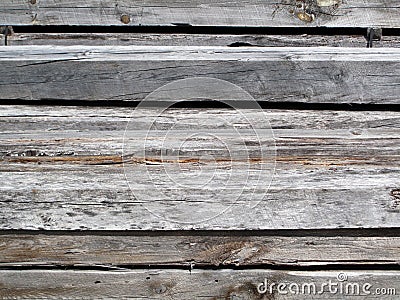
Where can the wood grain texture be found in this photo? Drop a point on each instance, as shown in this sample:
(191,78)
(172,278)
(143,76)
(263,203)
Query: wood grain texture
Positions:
(197,284)
(176,249)
(130,73)
(143,39)
(284,13)
(62,168)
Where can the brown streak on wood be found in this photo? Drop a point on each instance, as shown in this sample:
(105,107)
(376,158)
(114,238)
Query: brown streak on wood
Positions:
(115,159)
(227,253)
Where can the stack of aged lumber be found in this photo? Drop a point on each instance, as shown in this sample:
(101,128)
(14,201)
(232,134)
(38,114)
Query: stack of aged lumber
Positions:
(279,163)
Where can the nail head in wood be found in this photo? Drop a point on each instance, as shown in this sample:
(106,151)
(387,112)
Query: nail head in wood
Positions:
(305,17)
(125,19)
(161,289)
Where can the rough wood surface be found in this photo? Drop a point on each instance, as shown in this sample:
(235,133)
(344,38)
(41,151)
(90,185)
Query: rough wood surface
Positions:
(197,284)
(139,39)
(61,168)
(284,13)
(313,75)
(178,249)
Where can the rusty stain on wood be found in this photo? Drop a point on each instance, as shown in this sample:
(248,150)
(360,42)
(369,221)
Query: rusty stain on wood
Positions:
(125,19)
(115,159)
(308,10)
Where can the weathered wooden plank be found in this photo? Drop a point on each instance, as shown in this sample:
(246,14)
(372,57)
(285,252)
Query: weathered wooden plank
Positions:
(45,133)
(118,208)
(79,119)
(198,284)
(62,168)
(269,74)
(284,13)
(180,249)
(147,39)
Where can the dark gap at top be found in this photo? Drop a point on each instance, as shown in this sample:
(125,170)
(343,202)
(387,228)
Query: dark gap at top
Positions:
(340,232)
(356,266)
(210,104)
(188,29)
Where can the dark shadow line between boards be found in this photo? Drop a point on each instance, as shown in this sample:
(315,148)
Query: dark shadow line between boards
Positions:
(195,267)
(340,232)
(189,29)
(209,104)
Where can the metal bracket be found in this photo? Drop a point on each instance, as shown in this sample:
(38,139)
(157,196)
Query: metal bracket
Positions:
(7,31)
(373,34)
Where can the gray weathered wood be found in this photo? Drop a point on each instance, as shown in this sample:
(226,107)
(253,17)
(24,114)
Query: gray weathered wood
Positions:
(105,202)
(269,74)
(284,13)
(61,168)
(47,119)
(139,39)
(180,249)
(197,284)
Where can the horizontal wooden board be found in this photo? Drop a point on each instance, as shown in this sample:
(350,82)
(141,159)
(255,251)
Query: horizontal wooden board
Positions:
(284,13)
(101,199)
(139,39)
(197,284)
(179,249)
(62,168)
(130,73)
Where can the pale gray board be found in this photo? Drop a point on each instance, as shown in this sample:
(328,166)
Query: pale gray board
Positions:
(195,284)
(195,250)
(139,39)
(351,13)
(130,73)
(334,170)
